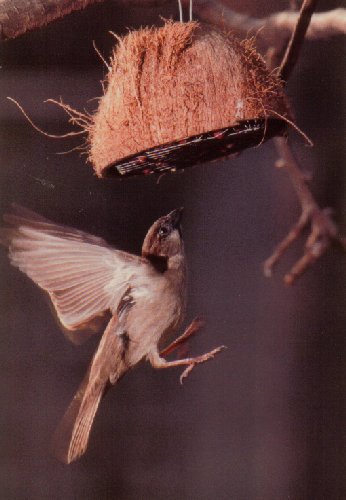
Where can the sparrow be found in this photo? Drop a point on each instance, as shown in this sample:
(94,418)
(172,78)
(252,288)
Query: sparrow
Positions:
(86,278)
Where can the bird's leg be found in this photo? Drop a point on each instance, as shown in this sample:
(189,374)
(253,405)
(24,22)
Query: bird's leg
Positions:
(158,362)
(193,328)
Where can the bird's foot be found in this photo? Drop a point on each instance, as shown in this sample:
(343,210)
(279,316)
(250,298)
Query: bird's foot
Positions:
(200,359)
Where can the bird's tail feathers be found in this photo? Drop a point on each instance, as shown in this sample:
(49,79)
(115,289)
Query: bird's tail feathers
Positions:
(107,367)
(71,437)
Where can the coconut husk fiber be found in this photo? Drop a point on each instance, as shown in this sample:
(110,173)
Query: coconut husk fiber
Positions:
(165,84)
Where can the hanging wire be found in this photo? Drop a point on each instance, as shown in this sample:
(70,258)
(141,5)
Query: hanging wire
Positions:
(180,11)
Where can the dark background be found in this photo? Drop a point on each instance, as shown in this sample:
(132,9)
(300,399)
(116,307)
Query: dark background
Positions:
(265,419)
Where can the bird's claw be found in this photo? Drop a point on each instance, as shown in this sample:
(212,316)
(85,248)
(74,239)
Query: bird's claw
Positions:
(200,359)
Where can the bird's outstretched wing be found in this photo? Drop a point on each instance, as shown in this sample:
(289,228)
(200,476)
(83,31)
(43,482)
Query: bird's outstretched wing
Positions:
(82,274)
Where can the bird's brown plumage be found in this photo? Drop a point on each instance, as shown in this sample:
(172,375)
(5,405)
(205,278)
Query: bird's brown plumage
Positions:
(85,277)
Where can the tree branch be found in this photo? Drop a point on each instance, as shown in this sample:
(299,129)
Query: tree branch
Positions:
(20,16)
(295,44)
(274,29)
(324,231)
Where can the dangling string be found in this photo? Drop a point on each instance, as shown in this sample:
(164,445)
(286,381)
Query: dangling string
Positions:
(190,10)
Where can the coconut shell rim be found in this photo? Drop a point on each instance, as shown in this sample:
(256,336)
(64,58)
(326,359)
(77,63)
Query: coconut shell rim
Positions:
(174,155)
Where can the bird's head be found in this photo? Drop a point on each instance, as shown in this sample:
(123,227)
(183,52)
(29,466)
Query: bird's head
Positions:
(164,239)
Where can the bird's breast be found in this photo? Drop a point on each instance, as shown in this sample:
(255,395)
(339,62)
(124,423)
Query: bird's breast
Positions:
(157,311)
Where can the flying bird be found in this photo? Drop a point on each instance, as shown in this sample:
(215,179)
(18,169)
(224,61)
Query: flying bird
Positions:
(86,278)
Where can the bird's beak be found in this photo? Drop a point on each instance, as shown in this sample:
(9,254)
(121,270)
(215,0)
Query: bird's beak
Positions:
(176,216)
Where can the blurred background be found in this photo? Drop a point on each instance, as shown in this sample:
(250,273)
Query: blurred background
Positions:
(266,418)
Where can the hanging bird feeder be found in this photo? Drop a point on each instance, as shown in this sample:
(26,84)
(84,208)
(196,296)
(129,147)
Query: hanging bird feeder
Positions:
(179,95)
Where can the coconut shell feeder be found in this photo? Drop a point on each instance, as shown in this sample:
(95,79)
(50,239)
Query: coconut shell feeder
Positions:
(179,95)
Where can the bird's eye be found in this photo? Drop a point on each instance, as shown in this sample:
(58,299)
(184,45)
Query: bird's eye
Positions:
(164,231)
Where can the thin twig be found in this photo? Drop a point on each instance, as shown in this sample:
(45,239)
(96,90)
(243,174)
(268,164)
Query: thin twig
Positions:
(324,231)
(293,49)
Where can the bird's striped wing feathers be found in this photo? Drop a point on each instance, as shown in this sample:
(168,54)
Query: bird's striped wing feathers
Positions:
(82,274)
